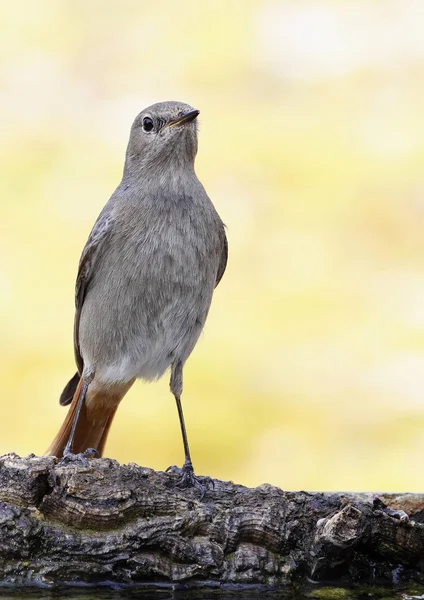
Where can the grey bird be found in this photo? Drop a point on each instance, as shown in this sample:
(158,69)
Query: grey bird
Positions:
(145,281)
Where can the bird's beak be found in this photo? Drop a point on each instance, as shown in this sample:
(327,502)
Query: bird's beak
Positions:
(186,118)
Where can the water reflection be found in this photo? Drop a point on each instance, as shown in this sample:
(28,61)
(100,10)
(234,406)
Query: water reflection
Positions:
(368,592)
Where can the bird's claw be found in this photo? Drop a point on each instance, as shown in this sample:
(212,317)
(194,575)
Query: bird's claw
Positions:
(189,479)
(81,457)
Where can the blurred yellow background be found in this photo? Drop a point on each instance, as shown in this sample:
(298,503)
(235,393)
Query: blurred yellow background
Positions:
(310,371)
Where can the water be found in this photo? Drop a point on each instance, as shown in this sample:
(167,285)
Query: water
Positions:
(367,592)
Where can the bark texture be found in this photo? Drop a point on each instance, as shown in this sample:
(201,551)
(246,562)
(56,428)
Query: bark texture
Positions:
(106,522)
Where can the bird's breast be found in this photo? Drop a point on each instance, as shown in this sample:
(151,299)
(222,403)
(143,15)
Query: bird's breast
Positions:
(151,293)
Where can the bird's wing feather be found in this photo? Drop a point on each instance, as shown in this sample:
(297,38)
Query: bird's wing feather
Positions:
(224,257)
(97,238)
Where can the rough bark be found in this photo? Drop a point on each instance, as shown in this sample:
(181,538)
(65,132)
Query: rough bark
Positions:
(114,523)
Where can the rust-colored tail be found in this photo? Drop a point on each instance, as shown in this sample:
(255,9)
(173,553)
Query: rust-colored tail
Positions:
(94,420)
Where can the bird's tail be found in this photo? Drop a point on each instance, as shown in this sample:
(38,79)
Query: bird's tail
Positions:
(94,421)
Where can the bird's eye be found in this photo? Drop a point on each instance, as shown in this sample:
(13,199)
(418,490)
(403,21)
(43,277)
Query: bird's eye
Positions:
(147,124)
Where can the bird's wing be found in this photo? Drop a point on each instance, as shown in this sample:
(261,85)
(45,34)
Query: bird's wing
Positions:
(96,240)
(224,257)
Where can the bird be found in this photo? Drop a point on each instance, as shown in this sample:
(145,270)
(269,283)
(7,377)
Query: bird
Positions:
(145,282)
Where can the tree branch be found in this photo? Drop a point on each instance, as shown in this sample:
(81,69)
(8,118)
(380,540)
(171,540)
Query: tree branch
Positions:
(114,523)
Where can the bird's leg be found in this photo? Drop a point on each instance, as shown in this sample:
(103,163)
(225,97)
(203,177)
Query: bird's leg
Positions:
(68,454)
(187,475)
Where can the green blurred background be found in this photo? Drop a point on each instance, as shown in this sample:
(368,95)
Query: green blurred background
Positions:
(310,371)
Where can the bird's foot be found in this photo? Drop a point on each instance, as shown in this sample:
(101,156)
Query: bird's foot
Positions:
(81,458)
(189,479)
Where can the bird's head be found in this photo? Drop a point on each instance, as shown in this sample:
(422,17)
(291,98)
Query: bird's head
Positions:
(163,136)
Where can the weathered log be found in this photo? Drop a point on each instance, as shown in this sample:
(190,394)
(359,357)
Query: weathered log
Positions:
(114,523)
